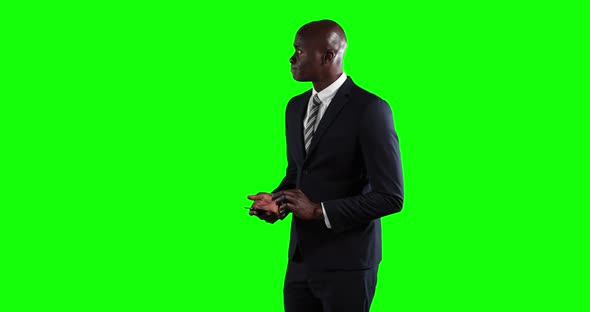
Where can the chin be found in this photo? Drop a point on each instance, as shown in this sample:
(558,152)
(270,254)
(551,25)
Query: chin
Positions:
(299,78)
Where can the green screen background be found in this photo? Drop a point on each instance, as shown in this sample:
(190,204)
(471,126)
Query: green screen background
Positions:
(132,133)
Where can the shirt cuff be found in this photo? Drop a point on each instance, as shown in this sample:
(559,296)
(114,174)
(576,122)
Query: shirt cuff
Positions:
(326,220)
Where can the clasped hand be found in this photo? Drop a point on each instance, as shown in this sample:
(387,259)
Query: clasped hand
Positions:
(271,207)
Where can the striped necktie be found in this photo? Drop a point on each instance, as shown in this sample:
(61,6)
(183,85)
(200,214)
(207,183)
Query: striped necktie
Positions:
(311,121)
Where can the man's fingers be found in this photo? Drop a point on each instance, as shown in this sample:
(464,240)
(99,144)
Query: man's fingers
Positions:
(279,198)
(288,200)
(291,191)
(285,207)
(255,197)
(277,195)
(259,212)
(268,208)
(290,197)
(269,217)
(281,193)
(285,196)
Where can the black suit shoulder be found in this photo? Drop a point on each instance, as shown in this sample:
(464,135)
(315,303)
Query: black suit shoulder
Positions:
(359,93)
(367,103)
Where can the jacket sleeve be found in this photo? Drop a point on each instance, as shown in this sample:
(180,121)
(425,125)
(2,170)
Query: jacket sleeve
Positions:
(380,149)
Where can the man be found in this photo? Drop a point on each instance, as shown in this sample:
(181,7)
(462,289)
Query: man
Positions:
(343,174)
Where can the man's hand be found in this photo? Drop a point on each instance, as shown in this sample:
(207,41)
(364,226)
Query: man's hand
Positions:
(264,207)
(267,216)
(263,201)
(298,203)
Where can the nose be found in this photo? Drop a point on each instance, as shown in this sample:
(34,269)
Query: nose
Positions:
(292,59)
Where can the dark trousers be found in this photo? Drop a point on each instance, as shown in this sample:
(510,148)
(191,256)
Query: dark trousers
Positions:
(331,291)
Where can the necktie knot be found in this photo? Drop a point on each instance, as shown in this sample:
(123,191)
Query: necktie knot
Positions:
(316,100)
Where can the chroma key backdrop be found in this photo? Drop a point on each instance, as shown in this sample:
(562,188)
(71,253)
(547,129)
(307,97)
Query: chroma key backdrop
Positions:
(132,133)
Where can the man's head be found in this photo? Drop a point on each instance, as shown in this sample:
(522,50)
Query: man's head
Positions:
(319,49)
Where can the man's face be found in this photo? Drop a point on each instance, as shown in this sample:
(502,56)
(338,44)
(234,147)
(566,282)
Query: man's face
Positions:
(306,62)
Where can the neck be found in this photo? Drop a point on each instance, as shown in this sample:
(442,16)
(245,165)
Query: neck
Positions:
(328,80)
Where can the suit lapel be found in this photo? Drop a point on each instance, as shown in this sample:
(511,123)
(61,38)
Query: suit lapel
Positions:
(330,114)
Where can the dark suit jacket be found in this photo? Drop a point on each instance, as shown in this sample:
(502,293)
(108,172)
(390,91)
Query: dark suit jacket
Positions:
(353,166)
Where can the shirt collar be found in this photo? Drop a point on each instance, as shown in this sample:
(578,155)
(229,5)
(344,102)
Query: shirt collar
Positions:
(329,92)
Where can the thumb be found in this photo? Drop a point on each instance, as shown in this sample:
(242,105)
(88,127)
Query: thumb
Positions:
(254,197)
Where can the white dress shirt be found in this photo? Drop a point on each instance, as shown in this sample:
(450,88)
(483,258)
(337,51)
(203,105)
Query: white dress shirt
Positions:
(326,97)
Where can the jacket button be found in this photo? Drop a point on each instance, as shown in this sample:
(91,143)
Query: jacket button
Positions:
(306,172)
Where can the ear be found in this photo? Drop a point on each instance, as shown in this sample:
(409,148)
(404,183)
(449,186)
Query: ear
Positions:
(328,56)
